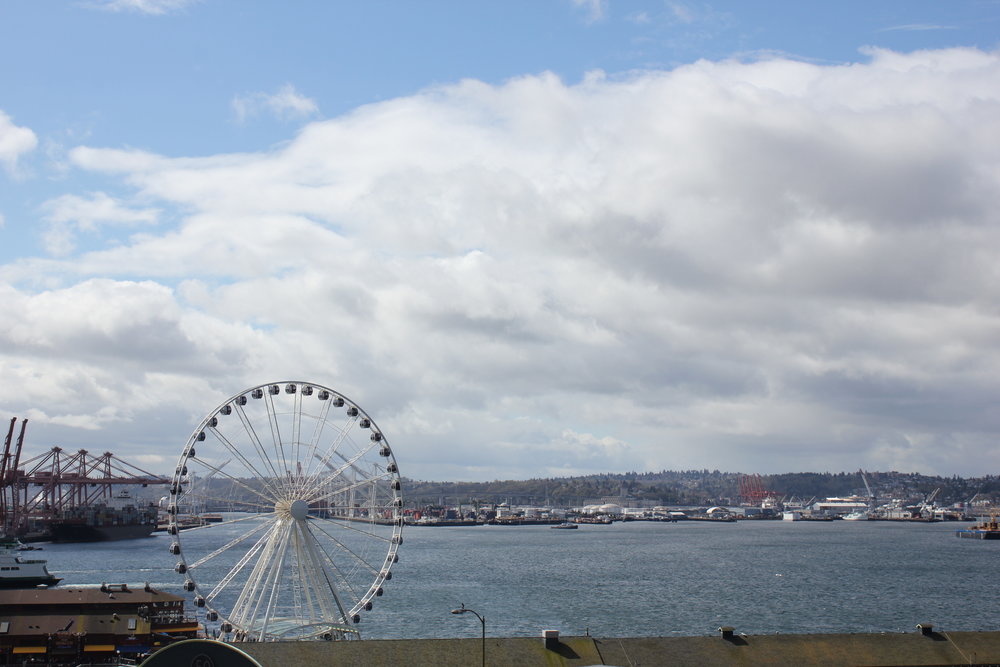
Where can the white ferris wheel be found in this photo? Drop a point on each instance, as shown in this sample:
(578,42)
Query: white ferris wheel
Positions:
(285,514)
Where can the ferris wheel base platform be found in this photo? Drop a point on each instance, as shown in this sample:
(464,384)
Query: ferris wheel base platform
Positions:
(201,652)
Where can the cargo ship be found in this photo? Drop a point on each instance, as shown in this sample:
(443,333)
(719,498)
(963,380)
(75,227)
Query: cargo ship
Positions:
(100,523)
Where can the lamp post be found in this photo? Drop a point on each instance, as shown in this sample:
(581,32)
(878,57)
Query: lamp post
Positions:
(463,610)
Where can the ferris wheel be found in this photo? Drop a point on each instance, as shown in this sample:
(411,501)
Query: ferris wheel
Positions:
(285,514)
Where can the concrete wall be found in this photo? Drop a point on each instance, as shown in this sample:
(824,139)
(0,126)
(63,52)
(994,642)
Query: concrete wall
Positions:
(917,648)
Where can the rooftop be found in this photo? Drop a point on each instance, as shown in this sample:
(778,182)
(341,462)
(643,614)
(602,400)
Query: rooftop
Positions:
(115,594)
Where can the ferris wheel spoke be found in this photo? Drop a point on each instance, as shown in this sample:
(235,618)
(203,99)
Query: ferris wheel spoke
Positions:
(342,523)
(216,524)
(302,591)
(247,464)
(237,568)
(318,482)
(345,524)
(342,511)
(366,484)
(317,435)
(333,539)
(272,585)
(318,558)
(198,487)
(296,429)
(244,505)
(248,601)
(366,479)
(236,481)
(276,440)
(229,545)
(334,446)
(251,433)
(348,462)
(334,492)
(314,579)
(343,579)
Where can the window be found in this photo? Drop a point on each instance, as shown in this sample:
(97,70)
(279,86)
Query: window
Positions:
(4,627)
(131,624)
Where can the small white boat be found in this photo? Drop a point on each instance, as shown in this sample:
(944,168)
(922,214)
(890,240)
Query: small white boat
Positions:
(856,516)
(565,525)
(18,572)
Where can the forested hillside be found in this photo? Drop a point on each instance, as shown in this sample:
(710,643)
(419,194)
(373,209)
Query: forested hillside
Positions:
(699,487)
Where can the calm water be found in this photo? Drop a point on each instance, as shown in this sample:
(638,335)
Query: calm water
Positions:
(646,579)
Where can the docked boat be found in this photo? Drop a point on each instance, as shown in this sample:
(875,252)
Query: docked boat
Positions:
(856,516)
(987,529)
(565,525)
(18,572)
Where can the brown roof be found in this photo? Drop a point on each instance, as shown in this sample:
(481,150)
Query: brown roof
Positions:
(42,625)
(113,595)
(105,610)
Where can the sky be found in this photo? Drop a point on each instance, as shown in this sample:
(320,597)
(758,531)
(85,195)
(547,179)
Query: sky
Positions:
(532,238)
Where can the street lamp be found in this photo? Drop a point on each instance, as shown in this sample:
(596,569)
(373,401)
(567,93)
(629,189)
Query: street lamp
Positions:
(463,610)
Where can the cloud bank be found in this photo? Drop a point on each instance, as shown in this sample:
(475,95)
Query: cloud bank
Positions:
(765,266)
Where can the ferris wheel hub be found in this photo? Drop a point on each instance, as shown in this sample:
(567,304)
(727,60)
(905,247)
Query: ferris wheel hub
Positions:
(294,509)
(299,510)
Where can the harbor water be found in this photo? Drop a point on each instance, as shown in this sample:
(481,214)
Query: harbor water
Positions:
(644,579)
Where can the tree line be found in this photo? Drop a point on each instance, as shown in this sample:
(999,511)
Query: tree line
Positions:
(702,487)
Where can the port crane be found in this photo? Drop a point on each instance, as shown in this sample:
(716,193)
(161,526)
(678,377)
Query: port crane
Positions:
(42,487)
(928,504)
(8,469)
(752,490)
(868,488)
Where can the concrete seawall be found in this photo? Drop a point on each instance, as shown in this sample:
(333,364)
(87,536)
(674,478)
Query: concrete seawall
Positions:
(922,647)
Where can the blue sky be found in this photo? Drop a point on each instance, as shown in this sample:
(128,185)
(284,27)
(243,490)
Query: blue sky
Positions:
(165,80)
(547,238)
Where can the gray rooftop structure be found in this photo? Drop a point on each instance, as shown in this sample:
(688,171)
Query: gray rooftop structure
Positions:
(923,647)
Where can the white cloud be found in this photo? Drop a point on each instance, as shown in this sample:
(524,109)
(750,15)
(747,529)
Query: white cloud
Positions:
(99,208)
(285,104)
(776,264)
(154,7)
(918,27)
(595,9)
(111,355)
(15,142)
(682,12)
(70,214)
(112,160)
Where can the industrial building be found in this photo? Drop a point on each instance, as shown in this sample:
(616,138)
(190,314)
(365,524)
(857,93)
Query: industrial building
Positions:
(95,625)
